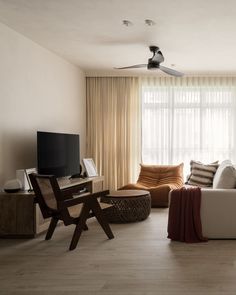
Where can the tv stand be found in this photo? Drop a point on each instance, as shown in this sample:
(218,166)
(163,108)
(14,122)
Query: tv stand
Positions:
(21,217)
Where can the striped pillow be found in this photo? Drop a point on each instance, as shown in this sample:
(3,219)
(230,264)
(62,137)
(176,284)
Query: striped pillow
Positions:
(202,174)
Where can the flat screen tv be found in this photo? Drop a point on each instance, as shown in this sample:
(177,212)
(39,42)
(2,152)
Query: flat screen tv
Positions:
(58,154)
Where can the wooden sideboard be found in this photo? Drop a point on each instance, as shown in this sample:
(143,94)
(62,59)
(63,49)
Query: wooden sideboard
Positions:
(20,216)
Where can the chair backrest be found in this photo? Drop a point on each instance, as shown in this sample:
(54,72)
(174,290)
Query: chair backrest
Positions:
(47,192)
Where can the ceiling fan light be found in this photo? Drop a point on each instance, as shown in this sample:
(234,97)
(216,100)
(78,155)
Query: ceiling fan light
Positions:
(152,65)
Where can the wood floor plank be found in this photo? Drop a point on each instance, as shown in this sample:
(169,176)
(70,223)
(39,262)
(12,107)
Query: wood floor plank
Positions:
(140,260)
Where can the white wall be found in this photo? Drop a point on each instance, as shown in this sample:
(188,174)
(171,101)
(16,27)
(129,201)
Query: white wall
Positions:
(38,91)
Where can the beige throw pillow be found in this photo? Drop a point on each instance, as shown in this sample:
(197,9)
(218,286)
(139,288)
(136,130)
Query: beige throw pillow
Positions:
(202,174)
(225,176)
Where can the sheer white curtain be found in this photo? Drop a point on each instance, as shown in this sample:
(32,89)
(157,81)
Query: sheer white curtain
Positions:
(189,118)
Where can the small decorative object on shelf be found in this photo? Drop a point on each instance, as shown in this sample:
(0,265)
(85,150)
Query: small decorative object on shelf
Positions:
(23,176)
(90,167)
(27,173)
(12,186)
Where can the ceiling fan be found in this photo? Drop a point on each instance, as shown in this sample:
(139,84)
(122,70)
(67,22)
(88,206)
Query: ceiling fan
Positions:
(154,63)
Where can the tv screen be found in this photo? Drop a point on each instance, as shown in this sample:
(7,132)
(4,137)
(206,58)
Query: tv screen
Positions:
(58,154)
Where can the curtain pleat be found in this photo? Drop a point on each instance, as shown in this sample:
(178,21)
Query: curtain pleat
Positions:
(113,128)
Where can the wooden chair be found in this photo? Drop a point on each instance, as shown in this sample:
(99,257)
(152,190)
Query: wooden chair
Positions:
(71,210)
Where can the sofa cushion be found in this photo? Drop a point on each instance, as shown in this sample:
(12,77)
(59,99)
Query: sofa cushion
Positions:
(155,175)
(218,213)
(225,176)
(202,174)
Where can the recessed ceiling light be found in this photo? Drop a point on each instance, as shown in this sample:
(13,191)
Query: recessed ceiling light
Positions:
(149,22)
(127,23)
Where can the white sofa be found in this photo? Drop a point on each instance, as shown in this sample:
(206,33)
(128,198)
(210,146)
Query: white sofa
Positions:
(218,204)
(218,213)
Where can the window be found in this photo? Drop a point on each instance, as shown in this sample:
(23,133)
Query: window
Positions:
(184,123)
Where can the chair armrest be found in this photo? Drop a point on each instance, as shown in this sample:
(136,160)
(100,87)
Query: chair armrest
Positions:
(78,199)
(75,200)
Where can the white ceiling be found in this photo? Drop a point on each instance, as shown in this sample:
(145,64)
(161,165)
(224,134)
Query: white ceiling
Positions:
(197,36)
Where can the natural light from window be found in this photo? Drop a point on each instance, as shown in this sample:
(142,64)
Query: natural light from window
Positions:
(180,124)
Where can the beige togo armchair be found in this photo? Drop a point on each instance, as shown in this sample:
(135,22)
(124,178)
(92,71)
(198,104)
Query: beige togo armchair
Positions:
(159,180)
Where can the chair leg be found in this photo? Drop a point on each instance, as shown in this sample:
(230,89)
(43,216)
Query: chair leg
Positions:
(86,227)
(102,219)
(51,228)
(80,226)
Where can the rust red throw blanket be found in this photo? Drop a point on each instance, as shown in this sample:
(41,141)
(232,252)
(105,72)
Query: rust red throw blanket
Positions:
(184,222)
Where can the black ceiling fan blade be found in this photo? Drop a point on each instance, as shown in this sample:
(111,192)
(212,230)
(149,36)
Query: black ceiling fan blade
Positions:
(133,67)
(171,71)
(158,57)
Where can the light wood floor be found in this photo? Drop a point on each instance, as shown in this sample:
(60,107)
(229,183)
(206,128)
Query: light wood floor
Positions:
(139,261)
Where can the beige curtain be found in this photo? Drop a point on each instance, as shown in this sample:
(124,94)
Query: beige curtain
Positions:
(114,128)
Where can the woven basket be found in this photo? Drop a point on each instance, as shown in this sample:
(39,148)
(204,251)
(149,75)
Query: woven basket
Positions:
(127,209)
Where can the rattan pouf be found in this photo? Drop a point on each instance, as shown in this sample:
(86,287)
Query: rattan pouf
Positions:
(128,206)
